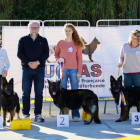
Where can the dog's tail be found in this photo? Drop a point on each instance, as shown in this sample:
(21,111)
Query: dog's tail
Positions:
(95,114)
(18,110)
(18,104)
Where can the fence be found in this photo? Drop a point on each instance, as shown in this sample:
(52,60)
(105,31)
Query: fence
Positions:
(95,73)
(118,21)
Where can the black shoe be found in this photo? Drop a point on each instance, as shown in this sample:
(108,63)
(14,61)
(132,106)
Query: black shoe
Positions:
(38,118)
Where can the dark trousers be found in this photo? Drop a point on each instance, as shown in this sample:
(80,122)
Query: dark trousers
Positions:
(30,75)
(132,80)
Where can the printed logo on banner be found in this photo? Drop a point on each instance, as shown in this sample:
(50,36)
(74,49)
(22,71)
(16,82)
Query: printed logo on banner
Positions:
(92,78)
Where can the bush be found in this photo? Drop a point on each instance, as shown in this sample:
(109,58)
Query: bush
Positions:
(91,10)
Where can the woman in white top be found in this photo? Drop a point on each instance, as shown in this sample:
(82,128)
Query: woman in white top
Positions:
(130,60)
(4,66)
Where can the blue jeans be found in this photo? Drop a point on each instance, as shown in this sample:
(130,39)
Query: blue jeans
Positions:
(71,74)
(29,75)
(132,80)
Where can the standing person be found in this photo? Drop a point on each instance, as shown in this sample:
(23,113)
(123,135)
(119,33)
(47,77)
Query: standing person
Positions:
(130,60)
(70,50)
(33,50)
(4,66)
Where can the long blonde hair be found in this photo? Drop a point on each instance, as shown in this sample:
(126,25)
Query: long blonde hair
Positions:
(136,33)
(75,36)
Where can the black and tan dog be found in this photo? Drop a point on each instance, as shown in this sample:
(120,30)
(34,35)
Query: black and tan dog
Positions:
(74,99)
(130,97)
(10,100)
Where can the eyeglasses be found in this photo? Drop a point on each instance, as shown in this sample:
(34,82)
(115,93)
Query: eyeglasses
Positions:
(34,28)
(134,38)
(138,31)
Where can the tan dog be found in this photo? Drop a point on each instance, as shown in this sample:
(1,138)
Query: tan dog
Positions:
(91,48)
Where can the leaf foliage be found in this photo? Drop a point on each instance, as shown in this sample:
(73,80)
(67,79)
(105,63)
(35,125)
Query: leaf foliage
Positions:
(91,10)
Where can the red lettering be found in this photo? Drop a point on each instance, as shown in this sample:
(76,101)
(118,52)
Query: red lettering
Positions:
(97,72)
(85,71)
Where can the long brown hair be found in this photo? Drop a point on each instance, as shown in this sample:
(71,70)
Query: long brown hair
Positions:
(75,36)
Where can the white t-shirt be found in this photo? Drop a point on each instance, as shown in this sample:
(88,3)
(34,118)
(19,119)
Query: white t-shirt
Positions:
(4,61)
(130,58)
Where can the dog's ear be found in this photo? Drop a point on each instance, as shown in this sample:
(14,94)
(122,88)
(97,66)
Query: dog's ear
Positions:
(4,81)
(112,78)
(48,81)
(58,81)
(11,81)
(120,78)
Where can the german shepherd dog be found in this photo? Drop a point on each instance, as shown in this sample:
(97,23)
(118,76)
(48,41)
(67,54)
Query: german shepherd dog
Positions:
(74,99)
(131,97)
(10,100)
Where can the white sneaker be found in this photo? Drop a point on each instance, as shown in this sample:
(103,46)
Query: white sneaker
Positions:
(38,118)
(25,116)
(75,119)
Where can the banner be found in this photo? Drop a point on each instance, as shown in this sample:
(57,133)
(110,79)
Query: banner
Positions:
(104,42)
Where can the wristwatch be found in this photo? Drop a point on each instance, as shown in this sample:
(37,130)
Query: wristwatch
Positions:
(38,63)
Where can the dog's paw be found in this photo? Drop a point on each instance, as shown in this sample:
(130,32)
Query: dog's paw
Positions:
(119,120)
(4,124)
(86,122)
(124,119)
(99,122)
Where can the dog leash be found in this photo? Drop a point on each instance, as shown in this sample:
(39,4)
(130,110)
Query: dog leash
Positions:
(119,68)
(122,98)
(118,71)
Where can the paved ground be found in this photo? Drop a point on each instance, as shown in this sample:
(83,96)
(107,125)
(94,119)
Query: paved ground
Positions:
(108,130)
